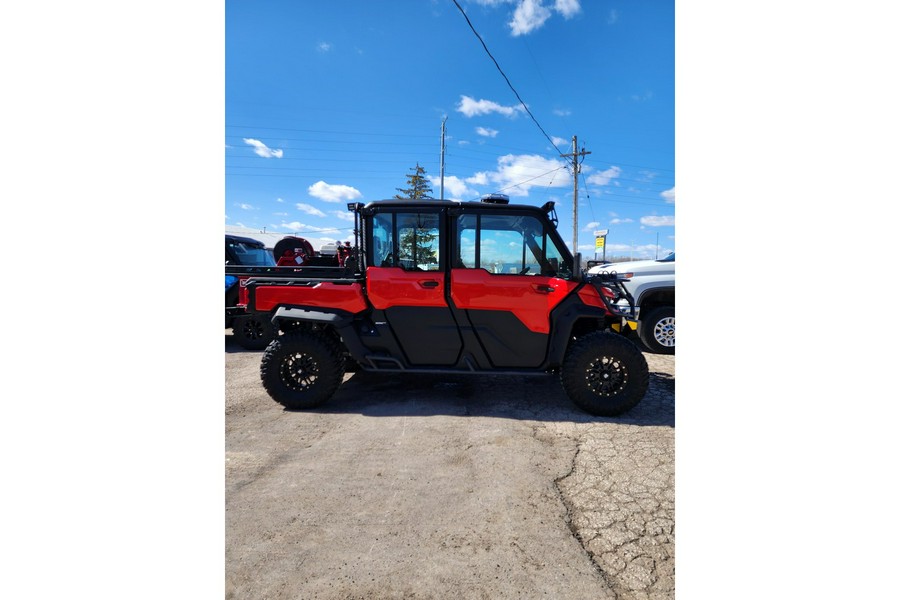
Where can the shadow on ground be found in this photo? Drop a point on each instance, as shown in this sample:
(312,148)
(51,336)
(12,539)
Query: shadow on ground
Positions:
(502,396)
(539,397)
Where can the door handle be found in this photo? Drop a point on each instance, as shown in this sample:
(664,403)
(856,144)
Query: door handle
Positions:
(543,288)
(429,284)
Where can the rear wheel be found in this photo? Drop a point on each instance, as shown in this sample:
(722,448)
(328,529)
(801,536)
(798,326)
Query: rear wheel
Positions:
(301,369)
(657,330)
(253,331)
(605,374)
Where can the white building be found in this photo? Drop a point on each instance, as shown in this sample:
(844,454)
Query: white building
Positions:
(270,238)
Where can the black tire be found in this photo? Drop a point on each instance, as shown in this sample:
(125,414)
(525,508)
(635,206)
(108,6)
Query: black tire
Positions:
(301,369)
(657,330)
(254,331)
(605,374)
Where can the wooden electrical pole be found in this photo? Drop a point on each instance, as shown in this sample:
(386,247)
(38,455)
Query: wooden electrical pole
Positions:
(442,156)
(575,154)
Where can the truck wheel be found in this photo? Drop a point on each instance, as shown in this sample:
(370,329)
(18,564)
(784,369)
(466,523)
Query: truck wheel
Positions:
(301,369)
(657,330)
(605,374)
(253,332)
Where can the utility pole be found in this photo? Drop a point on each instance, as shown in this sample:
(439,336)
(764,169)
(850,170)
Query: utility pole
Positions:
(575,154)
(442,156)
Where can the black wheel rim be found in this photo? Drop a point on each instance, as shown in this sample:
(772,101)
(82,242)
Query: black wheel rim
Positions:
(606,375)
(299,371)
(253,330)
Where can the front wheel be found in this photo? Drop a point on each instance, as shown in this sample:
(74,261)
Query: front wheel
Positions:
(605,374)
(657,330)
(301,369)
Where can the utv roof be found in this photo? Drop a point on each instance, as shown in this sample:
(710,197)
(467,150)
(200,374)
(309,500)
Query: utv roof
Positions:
(484,204)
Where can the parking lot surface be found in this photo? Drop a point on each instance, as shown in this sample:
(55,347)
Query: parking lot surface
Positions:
(427,486)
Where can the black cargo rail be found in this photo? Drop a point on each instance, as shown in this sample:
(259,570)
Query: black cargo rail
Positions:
(331,274)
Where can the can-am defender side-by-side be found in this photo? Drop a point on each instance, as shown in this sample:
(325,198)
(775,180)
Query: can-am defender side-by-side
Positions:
(439,286)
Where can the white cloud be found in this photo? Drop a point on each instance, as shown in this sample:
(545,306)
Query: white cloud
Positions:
(516,174)
(492,133)
(263,150)
(454,188)
(472,108)
(279,200)
(323,47)
(669,196)
(604,177)
(344,215)
(310,209)
(562,112)
(567,8)
(298,226)
(246,206)
(333,193)
(531,15)
(591,226)
(560,141)
(613,17)
(657,221)
(479,178)
(618,221)
(528,16)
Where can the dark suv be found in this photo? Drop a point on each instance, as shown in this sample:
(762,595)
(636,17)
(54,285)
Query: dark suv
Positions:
(251,330)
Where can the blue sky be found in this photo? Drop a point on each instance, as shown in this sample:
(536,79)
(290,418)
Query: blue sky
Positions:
(327,103)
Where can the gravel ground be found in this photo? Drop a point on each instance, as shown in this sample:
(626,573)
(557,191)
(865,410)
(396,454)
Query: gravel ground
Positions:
(432,487)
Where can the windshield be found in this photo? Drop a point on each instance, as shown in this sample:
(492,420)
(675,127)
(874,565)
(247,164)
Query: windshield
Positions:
(251,256)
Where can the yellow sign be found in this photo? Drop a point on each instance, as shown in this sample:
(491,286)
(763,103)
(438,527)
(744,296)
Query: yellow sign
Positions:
(600,241)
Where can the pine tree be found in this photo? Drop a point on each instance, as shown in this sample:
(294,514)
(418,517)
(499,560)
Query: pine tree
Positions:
(417,245)
(418,188)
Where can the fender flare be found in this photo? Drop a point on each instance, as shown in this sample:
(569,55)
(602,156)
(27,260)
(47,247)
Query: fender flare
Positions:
(336,318)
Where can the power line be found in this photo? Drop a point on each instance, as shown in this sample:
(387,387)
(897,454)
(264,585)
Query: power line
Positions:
(453,150)
(522,102)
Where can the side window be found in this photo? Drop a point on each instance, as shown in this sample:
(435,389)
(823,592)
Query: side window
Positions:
(467,225)
(382,247)
(556,265)
(508,245)
(419,241)
(410,241)
(502,245)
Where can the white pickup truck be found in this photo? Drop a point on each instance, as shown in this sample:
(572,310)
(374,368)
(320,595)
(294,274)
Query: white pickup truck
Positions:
(652,285)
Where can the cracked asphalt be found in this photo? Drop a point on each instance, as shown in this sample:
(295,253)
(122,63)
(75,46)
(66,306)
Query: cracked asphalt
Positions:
(426,486)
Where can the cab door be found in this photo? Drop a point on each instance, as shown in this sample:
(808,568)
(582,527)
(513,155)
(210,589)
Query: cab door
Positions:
(406,282)
(505,282)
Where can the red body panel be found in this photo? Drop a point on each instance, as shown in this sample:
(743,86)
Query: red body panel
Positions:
(590,296)
(528,297)
(326,295)
(243,296)
(392,286)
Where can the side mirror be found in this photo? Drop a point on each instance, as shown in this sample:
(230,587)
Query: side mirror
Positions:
(577,273)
